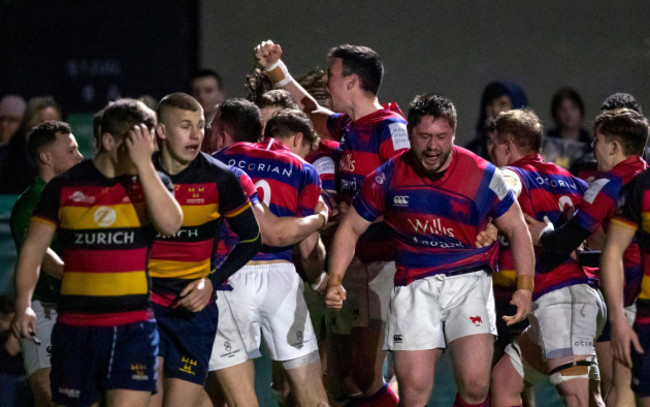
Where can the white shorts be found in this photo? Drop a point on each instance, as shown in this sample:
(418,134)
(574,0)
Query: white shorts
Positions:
(433,311)
(234,342)
(38,356)
(316,306)
(275,307)
(368,287)
(567,321)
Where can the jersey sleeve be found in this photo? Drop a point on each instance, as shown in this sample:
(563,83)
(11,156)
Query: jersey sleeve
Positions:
(394,140)
(598,203)
(232,200)
(630,206)
(370,200)
(247,185)
(498,198)
(335,125)
(310,191)
(47,208)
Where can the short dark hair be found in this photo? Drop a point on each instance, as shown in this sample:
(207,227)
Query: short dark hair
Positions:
(177,100)
(203,73)
(288,122)
(243,119)
(627,126)
(522,126)
(620,100)
(123,114)
(431,104)
(363,62)
(563,94)
(277,97)
(45,134)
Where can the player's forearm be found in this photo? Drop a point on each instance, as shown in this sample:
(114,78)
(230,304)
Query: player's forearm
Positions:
(27,274)
(286,231)
(343,248)
(163,209)
(564,239)
(611,272)
(52,264)
(522,251)
(312,256)
(250,242)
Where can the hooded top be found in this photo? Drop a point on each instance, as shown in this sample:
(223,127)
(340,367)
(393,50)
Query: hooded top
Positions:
(493,91)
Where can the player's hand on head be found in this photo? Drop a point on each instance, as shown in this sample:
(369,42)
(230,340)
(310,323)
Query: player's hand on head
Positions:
(521,299)
(622,336)
(335,296)
(23,325)
(486,237)
(140,143)
(196,295)
(267,53)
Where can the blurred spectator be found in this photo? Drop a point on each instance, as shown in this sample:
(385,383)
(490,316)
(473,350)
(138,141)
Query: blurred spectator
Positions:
(12,109)
(14,389)
(586,167)
(207,88)
(17,168)
(497,97)
(568,140)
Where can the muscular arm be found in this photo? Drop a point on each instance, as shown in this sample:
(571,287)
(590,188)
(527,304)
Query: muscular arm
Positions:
(287,231)
(512,225)
(612,282)
(267,55)
(312,256)
(31,256)
(345,240)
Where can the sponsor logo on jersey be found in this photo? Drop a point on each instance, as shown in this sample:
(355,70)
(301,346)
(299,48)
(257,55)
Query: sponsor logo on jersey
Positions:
(401,200)
(553,183)
(347,164)
(594,189)
(498,185)
(78,196)
(432,226)
(324,165)
(181,233)
(104,216)
(399,136)
(261,167)
(119,237)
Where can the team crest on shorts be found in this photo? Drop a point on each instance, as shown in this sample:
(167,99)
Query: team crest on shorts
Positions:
(476,320)
(227,346)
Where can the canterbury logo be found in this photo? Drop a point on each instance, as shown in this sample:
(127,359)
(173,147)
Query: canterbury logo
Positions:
(401,200)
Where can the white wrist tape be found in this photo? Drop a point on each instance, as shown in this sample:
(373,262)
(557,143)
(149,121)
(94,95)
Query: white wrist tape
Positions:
(278,73)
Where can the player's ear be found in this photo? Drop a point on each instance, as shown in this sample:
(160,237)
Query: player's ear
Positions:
(297,140)
(160,131)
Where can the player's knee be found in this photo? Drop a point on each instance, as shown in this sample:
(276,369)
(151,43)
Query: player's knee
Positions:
(474,387)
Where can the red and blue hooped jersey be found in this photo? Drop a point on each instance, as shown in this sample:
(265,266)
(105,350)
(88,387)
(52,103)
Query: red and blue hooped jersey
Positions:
(549,191)
(435,222)
(599,207)
(367,143)
(288,185)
